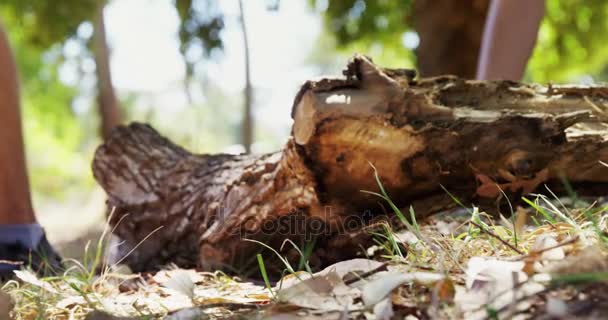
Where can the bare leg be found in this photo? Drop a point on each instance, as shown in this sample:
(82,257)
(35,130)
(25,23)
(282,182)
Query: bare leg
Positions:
(509,38)
(22,239)
(15,201)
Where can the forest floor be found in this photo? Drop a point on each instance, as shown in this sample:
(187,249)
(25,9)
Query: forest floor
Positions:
(548,260)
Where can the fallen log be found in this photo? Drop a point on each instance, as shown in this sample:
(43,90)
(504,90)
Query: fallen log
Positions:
(480,140)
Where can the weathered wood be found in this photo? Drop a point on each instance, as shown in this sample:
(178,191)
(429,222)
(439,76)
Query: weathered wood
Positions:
(422,136)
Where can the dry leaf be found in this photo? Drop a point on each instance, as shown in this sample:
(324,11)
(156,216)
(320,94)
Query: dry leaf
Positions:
(556,308)
(384,282)
(180,281)
(445,290)
(493,283)
(323,292)
(589,260)
(29,277)
(383,310)
(545,241)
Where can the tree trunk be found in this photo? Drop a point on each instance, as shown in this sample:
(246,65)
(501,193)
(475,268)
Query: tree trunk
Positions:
(247,125)
(421,136)
(450,36)
(106,98)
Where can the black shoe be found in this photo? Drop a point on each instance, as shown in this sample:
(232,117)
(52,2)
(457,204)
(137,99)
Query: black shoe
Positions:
(43,260)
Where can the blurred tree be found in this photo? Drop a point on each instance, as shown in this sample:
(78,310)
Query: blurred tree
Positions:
(445,35)
(201,22)
(109,110)
(47,23)
(54,137)
(247,128)
(200,34)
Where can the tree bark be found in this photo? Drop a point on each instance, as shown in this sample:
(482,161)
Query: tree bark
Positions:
(247,126)
(476,139)
(109,110)
(450,36)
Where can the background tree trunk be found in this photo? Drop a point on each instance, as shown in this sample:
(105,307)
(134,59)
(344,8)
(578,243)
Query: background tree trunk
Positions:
(247,124)
(450,36)
(476,139)
(109,110)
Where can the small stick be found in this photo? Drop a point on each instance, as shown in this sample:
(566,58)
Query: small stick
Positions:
(561,244)
(364,275)
(492,234)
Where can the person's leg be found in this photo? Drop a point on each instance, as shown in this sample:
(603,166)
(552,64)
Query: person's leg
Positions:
(15,203)
(22,239)
(508,39)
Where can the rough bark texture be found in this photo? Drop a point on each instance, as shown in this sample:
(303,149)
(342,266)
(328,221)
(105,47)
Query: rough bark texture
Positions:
(468,136)
(450,36)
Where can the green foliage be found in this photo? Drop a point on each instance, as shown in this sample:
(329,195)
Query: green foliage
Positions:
(572,41)
(48,22)
(201,22)
(370,27)
(54,137)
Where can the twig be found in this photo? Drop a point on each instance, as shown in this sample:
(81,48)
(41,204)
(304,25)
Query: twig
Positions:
(366,274)
(539,251)
(493,235)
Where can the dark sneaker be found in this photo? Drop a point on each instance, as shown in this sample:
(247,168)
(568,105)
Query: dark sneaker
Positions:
(43,260)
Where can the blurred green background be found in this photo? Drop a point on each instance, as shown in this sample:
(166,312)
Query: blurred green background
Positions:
(181,66)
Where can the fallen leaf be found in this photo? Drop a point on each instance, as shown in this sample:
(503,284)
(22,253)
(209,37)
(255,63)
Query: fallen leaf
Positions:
(383,310)
(556,308)
(193,313)
(445,290)
(386,281)
(493,283)
(29,277)
(590,260)
(180,281)
(545,241)
(483,270)
(447,229)
(323,292)
(348,268)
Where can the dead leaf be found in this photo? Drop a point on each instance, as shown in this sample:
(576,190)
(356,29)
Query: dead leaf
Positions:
(545,241)
(383,310)
(590,260)
(385,282)
(193,313)
(556,308)
(351,266)
(348,268)
(493,283)
(323,292)
(445,290)
(29,277)
(445,228)
(180,281)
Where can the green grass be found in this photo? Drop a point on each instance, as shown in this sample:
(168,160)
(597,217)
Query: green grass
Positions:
(264,274)
(93,282)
